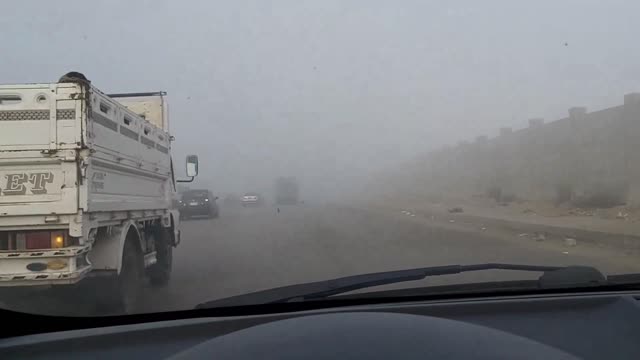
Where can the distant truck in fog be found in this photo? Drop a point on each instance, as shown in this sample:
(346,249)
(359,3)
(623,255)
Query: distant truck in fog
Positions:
(287,191)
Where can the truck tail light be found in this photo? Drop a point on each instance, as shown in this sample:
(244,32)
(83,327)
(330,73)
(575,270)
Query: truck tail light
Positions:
(37,240)
(43,239)
(57,239)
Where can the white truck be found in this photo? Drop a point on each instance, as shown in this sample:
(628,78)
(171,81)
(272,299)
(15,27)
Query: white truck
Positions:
(87,190)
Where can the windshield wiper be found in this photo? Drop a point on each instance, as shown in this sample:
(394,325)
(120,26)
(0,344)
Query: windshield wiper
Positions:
(553,276)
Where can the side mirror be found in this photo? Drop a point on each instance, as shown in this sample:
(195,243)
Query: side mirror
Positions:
(192,168)
(192,165)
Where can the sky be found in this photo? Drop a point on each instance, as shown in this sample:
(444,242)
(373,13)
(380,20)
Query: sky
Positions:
(331,92)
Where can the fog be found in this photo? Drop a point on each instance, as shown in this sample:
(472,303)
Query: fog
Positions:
(328,91)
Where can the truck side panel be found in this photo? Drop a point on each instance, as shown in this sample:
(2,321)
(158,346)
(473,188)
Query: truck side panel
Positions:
(129,167)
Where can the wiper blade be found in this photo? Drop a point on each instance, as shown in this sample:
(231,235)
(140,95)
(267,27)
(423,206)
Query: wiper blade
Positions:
(317,290)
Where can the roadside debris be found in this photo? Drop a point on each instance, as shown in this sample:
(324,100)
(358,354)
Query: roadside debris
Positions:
(570,242)
(540,236)
(523,235)
(580,212)
(622,215)
(452,221)
(565,252)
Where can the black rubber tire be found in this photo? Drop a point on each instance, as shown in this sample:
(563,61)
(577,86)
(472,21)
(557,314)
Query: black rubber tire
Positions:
(122,293)
(131,279)
(160,272)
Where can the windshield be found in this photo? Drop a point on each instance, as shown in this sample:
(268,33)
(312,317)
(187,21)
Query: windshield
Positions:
(195,195)
(342,137)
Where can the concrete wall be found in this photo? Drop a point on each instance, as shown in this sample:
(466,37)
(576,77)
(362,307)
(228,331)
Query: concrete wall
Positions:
(583,155)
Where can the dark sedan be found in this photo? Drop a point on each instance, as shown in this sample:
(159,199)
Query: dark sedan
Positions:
(199,203)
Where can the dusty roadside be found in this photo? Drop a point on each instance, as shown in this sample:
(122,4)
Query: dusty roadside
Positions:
(569,233)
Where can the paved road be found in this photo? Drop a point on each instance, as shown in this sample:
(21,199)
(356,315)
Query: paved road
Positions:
(250,249)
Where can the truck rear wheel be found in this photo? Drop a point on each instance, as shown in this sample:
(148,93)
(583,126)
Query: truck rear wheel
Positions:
(160,272)
(131,279)
(122,293)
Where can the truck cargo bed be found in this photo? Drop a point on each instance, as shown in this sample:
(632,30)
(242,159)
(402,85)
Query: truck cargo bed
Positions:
(66,147)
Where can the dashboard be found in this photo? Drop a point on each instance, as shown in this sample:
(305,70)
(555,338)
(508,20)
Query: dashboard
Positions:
(559,326)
